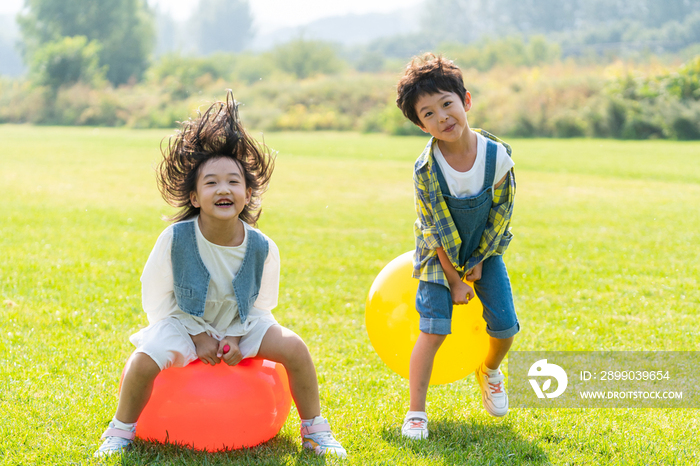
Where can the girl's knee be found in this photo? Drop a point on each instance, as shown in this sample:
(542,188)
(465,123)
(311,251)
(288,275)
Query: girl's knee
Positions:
(296,352)
(142,365)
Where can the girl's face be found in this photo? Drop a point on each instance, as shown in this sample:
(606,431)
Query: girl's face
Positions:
(221,192)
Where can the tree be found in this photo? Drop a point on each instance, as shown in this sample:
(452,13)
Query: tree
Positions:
(122,28)
(223,25)
(461,21)
(67,61)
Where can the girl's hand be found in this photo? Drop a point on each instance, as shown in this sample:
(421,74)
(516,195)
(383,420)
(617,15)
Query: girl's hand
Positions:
(233,356)
(461,292)
(475,273)
(207,347)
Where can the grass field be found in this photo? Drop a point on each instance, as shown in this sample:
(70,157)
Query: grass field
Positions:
(605,257)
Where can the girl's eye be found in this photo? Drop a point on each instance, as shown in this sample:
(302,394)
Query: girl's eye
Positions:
(428,114)
(447,103)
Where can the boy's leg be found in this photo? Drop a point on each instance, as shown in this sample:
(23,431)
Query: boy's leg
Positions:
(421,368)
(434,305)
(284,346)
(495,294)
(498,348)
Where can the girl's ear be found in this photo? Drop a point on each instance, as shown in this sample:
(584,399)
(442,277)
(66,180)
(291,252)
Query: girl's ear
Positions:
(193,199)
(248,195)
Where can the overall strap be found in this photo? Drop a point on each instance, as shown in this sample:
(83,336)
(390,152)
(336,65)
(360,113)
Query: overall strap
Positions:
(490,171)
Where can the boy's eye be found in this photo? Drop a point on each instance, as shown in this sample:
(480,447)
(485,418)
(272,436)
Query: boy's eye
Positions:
(447,103)
(428,114)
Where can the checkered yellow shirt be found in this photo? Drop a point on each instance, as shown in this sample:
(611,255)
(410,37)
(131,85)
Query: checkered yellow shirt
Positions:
(435,227)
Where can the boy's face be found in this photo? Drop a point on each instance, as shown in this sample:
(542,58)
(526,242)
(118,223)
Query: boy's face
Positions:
(443,115)
(221,190)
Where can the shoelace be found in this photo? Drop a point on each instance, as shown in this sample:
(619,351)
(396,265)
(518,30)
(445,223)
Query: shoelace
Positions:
(417,424)
(326,438)
(496,387)
(112,443)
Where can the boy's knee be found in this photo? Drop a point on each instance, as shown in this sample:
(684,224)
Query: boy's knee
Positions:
(433,339)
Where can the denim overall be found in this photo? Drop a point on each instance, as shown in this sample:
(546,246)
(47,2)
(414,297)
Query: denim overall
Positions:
(470,215)
(191,277)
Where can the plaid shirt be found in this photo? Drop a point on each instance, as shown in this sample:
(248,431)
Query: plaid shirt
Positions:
(435,228)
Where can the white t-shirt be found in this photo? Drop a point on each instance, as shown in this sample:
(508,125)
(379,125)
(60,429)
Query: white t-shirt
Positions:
(471,182)
(221,309)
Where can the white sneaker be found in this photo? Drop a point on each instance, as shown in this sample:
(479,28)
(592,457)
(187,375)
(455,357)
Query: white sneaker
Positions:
(319,438)
(493,392)
(415,427)
(116,441)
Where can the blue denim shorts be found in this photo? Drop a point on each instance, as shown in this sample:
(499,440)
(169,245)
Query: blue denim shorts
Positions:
(434,303)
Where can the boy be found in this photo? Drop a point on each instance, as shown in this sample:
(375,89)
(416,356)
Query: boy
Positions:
(464,188)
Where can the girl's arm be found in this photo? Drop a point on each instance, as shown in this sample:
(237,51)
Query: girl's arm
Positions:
(157,289)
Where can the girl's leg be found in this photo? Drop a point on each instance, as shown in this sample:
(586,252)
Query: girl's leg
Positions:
(421,367)
(137,385)
(284,346)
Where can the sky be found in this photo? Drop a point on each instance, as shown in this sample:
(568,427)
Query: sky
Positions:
(271,14)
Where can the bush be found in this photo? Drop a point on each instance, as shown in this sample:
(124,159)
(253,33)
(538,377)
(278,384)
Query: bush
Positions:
(569,125)
(304,58)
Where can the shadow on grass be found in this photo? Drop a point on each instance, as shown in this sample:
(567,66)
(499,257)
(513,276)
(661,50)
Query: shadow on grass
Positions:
(280,449)
(470,442)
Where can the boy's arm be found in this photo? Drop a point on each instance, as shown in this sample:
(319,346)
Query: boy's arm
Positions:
(428,230)
(461,292)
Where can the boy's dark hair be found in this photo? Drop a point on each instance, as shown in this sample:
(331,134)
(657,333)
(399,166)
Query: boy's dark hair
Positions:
(427,74)
(216,133)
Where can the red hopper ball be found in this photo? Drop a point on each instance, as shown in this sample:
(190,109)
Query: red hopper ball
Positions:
(218,407)
(226,348)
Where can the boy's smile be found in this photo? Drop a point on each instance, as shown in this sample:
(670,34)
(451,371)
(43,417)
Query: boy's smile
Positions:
(443,115)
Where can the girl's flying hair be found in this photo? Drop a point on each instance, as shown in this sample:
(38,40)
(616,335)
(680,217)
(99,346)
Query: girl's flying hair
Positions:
(216,133)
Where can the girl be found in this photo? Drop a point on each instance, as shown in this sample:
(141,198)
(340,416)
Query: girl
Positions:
(212,279)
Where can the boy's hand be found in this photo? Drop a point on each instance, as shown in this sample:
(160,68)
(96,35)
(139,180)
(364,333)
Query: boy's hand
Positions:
(475,273)
(233,356)
(207,347)
(461,292)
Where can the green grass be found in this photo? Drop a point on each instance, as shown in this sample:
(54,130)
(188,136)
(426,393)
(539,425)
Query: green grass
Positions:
(605,257)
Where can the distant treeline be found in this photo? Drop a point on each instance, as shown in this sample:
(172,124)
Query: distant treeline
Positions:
(547,68)
(520,88)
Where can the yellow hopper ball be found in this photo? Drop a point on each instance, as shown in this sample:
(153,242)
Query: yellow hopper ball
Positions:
(392,324)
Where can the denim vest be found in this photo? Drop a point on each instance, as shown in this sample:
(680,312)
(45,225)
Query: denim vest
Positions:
(191,277)
(470,214)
